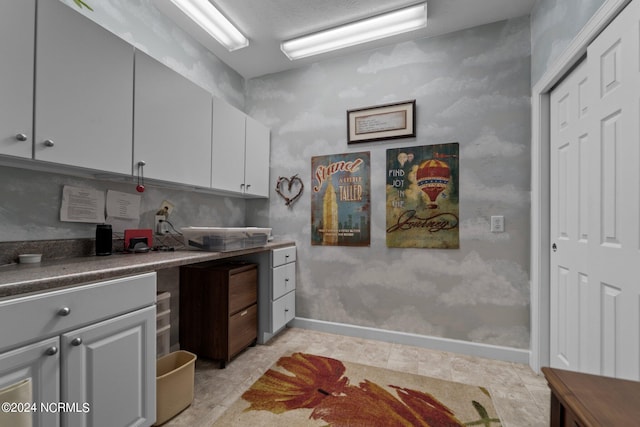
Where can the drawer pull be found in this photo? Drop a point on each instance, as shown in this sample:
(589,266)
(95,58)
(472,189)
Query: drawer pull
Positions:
(244,313)
(286,280)
(76,341)
(51,351)
(286,310)
(64,311)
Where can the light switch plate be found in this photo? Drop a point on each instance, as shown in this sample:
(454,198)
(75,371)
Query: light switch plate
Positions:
(497,224)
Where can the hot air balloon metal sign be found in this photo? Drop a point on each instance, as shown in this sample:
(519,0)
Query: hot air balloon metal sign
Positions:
(422,197)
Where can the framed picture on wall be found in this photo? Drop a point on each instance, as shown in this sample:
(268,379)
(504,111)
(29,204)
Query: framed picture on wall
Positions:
(382,122)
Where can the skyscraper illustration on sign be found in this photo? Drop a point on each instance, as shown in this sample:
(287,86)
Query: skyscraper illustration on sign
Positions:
(340,200)
(330,216)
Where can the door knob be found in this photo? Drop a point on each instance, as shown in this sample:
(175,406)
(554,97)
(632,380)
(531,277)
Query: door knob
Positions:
(64,311)
(51,351)
(49,143)
(76,341)
(21,137)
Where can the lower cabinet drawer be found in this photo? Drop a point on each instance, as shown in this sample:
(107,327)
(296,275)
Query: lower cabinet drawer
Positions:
(283,256)
(283,311)
(284,279)
(243,329)
(51,313)
(243,289)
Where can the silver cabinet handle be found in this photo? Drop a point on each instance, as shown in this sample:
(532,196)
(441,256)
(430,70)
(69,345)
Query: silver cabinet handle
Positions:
(64,311)
(244,313)
(76,341)
(248,185)
(49,143)
(21,137)
(241,185)
(51,351)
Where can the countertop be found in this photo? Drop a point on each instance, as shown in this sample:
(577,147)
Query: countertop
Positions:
(18,279)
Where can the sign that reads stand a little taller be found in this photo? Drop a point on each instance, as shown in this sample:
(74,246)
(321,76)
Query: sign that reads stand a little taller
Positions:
(340,200)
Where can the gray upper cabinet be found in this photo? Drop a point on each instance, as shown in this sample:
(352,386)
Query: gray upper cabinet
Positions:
(17,21)
(240,161)
(172,125)
(84,92)
(227,163)
(256,162)
(74,94)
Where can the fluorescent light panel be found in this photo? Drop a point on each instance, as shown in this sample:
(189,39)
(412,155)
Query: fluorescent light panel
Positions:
(374,28)
(203,13)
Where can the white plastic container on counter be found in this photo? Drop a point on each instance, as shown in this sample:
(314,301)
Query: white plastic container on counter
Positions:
(224,239)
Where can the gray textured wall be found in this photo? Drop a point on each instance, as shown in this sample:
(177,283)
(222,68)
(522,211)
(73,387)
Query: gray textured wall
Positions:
(554,23)
(30,207)
(472,87)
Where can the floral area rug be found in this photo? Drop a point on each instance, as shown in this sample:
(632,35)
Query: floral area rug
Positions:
(307,390)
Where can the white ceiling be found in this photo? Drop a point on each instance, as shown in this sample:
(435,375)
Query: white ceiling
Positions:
(268,22)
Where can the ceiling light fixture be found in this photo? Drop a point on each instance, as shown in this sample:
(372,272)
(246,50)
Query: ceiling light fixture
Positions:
(374,28)
(203,13)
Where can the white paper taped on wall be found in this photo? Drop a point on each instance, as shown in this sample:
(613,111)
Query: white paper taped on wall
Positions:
(123,210)
(123,205)
(82,205)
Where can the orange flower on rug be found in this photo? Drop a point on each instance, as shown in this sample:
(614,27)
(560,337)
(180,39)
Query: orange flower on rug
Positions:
(315,390)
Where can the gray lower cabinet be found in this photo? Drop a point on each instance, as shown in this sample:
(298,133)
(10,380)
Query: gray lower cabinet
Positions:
(30,375)
(277,290)
(283,287)
(83,356)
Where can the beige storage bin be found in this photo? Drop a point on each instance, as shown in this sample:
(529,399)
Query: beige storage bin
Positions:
(163,319)
(174,384)
(163,301)
(163,341)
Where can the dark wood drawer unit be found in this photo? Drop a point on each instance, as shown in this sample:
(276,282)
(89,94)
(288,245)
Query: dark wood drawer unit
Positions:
(585,400)
(218,309)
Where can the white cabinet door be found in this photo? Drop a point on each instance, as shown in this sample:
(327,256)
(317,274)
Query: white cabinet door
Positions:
(17,33)
(227,161)
(613,61)
(172,132)
(111,364)
(240,152)
(257,149)
(84,92)
(39,365)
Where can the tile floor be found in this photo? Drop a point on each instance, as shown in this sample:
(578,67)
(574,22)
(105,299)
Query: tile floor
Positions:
(520,396)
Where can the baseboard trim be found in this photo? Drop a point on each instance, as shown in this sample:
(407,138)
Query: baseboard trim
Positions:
(489,351)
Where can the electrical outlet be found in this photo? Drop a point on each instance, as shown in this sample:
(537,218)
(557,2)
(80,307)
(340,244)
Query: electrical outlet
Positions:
(160,226)
(497,224)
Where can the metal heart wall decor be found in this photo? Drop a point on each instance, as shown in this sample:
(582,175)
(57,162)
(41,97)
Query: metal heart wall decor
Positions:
(291,185)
